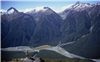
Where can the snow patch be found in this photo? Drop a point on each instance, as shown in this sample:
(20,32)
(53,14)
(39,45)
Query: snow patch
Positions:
(11,11)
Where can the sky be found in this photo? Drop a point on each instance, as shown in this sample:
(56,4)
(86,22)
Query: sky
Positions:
(26,5)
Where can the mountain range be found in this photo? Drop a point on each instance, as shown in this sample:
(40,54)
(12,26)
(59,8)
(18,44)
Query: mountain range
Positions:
(79,23)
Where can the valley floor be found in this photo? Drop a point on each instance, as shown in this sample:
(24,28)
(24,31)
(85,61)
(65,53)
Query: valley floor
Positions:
(55,60)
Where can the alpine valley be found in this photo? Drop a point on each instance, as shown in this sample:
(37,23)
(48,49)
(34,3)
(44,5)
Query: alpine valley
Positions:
(80,23)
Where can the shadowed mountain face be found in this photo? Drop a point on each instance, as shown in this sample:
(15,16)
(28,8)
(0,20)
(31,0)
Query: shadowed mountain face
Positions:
(48,25)
(83,26)
(80,23)
(18,30)
(23,29)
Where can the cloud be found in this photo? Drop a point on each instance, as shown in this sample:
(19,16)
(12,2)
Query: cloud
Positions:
(2,10)
(26,10)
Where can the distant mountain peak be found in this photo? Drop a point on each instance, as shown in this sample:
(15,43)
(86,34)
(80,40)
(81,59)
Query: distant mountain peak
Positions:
(47,8)
(42,10)
(12,10)
(80,4)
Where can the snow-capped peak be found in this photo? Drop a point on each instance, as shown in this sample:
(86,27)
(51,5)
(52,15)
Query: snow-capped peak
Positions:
(41,10)
(79,5)
(37,9)
(12,10)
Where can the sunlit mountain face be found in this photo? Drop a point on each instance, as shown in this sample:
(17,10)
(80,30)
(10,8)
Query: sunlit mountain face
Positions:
(79,22)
